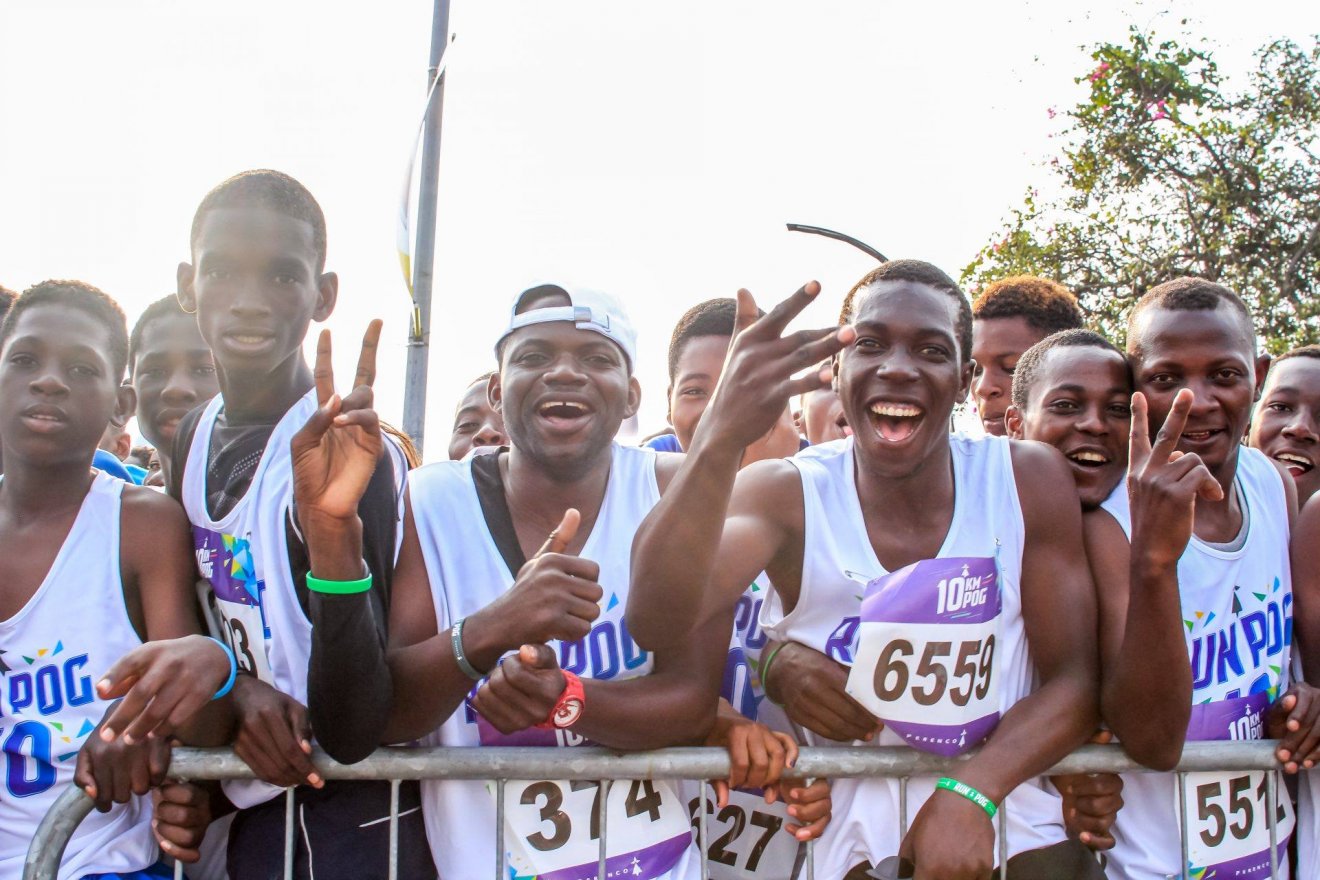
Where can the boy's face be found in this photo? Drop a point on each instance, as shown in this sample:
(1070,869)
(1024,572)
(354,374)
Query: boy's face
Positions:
(173,371)
(900,378)
(700,363)
(58,388)
(1286,426)
(1209,353)
(997,344)
(476,423)
(1080,403)
(255,285)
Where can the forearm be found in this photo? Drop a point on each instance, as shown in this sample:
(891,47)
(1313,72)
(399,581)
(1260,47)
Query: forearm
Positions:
(211,726)
(348,679)
(675,547)
(431,685)
(1146,695)
(677,712)
(1036,733)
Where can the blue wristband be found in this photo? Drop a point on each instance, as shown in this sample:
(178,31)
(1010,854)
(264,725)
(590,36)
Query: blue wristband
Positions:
(233,669)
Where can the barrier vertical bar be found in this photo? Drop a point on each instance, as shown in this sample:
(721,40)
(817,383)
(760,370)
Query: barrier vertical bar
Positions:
(701,830)
(499,828)
(902,806)
(394,829)
(603,812)
(1182,823)
(1271,820)
(1003,840)
(178,870)
(288,833)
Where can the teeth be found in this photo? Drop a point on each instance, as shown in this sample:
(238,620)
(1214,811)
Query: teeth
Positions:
(1296,459)
(250,340)
(896,410)
(1089,456)
(563,403)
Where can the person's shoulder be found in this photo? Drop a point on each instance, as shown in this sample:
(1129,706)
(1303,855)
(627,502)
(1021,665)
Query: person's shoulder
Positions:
(663,443)
(147,510)
(441,476)
(1031,454)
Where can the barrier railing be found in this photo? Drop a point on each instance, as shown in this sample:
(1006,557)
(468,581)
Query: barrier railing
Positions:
(501,765)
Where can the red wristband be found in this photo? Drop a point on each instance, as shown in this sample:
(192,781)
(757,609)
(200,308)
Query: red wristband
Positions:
(568,708)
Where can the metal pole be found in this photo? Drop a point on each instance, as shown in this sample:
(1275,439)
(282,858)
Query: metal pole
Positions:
(419,334)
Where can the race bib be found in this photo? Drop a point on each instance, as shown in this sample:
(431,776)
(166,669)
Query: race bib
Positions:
(552,829)
(226,563)
(746,839)
(1228,812)
(924,663)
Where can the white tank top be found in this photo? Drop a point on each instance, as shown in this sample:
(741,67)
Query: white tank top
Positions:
(548,824)
(245,557)
(63,640)
(983,547)
(1237,617)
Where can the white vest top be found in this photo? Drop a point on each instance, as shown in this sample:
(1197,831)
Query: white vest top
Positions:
(1237,616)
(245,558)
(56,648)
(838,559)
(467,573)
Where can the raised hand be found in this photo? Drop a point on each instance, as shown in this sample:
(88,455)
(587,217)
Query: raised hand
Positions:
(1163,483)
(162,684)
(757,381)
(335,453)
(554,597)
(523,691)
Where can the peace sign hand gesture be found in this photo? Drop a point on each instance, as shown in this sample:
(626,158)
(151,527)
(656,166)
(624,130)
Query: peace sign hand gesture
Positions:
(1163,483)
(757,381)
(335,453)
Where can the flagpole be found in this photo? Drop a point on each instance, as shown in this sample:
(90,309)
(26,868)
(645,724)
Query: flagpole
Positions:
(423,263)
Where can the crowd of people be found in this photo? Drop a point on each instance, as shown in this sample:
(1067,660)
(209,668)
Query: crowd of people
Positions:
(810,556)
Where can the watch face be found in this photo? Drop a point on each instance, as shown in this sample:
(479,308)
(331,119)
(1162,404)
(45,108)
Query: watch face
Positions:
(568,713)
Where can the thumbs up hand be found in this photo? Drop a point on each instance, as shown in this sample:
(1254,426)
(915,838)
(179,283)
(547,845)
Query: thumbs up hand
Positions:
(554,597)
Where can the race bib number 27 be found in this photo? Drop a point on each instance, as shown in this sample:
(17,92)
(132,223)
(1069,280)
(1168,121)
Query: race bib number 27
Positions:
(925,657)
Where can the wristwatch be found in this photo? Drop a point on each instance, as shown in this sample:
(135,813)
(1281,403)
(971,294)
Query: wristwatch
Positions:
(568,708)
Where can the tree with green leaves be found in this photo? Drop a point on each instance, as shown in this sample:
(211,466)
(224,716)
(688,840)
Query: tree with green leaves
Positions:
(1166,171)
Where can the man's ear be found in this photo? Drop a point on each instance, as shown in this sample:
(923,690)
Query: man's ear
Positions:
(495,392)
(1014,425)
(327,286)
(125,405)
(1263,362)
(183,288)
(634,398)
(669,405)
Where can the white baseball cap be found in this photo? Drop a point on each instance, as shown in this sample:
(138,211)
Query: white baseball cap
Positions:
(592,310)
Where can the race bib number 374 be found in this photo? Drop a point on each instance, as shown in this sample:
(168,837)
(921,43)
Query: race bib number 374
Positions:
(925,657)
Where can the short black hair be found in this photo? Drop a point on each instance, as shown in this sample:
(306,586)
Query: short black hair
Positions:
(1309,351)
(7,298)
(714,317)
(1028,366)
(918,272)
(264,188)
(1046,305)
(1189,294)
(87,299)
(165,307)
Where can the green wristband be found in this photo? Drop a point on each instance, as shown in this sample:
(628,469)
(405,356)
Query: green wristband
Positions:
(765,669)
(338,588)
(970,793)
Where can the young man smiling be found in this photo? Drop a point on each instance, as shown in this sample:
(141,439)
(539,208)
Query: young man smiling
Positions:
(907,510)
(1196,605)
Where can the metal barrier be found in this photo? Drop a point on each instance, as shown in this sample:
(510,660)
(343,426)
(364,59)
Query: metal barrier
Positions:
(604,766)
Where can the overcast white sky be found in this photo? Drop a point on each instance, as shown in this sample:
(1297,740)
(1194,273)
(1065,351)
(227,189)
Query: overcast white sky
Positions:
(654,150)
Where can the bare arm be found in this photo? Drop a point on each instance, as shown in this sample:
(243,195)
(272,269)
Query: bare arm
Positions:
(1306,588)
(1058,610)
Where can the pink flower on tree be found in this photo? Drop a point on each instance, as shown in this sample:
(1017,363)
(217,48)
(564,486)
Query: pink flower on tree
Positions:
(1158,110)
(1099,73)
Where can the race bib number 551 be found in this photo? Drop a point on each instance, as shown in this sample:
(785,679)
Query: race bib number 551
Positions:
(553,829)
(1227,823)
(925,658)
